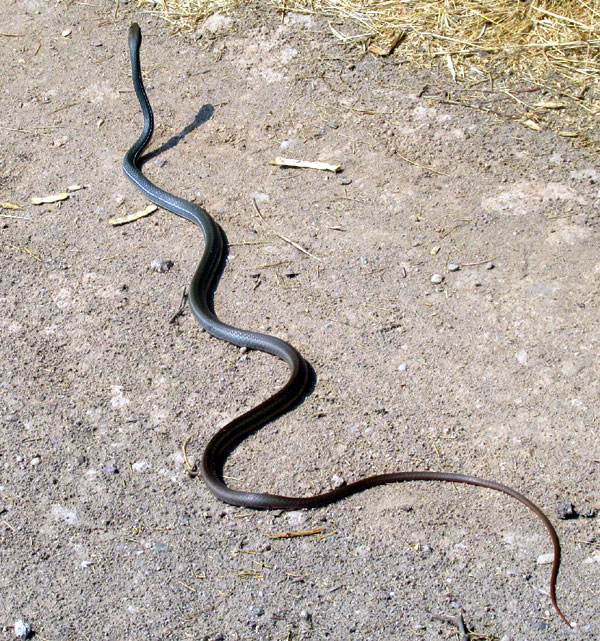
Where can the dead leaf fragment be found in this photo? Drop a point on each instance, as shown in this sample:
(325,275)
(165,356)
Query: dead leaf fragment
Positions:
(532,124)
(305,164)
(9,206)
(568,134)
(74,187)
(46,200)
(122,220)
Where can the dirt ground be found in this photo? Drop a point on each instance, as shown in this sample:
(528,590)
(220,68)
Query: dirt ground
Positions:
(493,371)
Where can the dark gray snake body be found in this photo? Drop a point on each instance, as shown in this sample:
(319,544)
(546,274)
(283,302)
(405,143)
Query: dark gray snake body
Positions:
(239,428)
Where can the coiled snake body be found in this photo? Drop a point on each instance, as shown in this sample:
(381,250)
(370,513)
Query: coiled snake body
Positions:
(239,428)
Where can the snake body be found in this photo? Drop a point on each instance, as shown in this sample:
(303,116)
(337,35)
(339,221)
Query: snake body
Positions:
(232,434)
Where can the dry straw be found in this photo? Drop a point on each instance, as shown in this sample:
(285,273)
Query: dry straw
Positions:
(551,43)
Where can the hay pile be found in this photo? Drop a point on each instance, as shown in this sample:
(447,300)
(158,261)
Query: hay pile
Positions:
(553,44)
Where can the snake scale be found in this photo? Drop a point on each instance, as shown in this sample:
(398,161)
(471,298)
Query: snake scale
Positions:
(232,434)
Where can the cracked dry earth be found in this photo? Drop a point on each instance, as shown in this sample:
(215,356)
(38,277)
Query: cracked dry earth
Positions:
(491,370)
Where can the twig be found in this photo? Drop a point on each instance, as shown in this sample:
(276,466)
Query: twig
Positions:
(287,240)
(457,621)
(416,164)
(291,535)
(181,307)
(192,470)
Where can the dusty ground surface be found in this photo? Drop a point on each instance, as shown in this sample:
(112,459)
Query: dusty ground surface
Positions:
(492,372)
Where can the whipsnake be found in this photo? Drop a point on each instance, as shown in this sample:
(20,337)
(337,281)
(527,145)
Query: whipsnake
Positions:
(232,434)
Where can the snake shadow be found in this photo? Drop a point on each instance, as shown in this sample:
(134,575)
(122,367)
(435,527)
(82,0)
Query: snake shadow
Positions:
(312,376)
(204,115)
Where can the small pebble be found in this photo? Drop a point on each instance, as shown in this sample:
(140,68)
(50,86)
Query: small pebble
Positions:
(345,181)
(566,510)
(453,267)
(489,265)
(305,615)
(402,367)
(337,481)
(110,469)
(35,461)
(545,559)
(22,629)
(161,266)
(436,279)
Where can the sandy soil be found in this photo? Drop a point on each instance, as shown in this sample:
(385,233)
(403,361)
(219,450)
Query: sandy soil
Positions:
(493,371)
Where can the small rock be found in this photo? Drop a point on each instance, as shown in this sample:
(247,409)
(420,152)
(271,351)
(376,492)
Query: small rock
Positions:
(296,517)
(402,367)
(545,559)
(161,266)
(589,513)
(81,459)
(258,612)
(110,469)
(217,23)
(337,481)
(489,265)
(22,629)
(522,357)
(307,616)
(453,267)
(436,279)
(345,181)
(35,461)
(566,510)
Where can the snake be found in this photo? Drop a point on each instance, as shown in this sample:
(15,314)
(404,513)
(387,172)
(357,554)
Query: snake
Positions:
(201,291)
